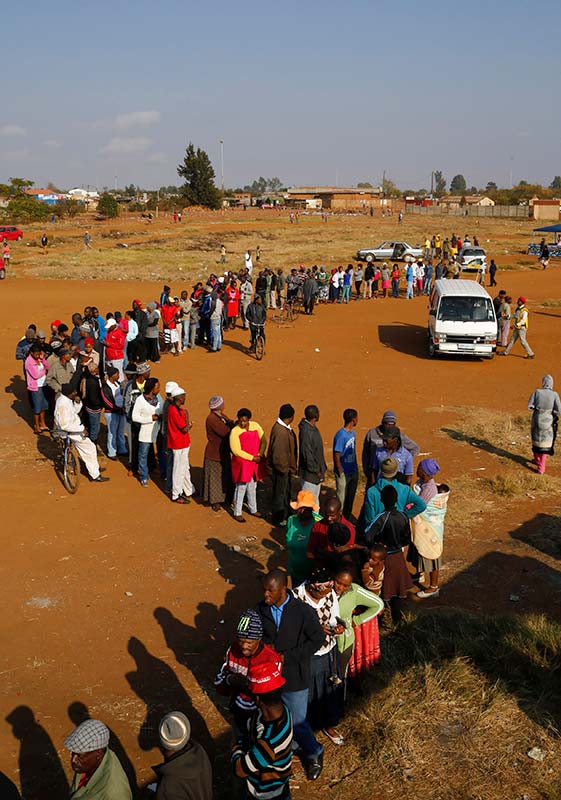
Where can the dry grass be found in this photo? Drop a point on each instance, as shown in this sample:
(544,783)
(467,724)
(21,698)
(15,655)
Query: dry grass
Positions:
(452,711)
(518,484)
(554,303)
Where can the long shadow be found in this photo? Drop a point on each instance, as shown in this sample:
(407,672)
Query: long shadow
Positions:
(8,789)
(78,712)
(20,402)
(488,447)
(405,338)
(158,687)
(42,776)
(548,314)
(239,346)
(543,532)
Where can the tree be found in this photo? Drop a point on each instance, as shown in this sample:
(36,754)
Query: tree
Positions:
(15,187)
(263,185)
(199,187)
(130,191)
(389,189)
(364,185)
(556,182)
(439,183)
(458,184)
(491,187)
(107,205)
(23,208)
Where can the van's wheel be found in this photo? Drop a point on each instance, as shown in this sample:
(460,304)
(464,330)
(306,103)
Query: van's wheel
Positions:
(431,348)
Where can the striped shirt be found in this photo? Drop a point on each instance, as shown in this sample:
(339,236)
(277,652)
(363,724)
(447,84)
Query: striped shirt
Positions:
(266,763)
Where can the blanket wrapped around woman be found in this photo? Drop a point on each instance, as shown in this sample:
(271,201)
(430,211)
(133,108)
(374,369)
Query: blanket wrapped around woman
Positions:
(428,533)
(546,408)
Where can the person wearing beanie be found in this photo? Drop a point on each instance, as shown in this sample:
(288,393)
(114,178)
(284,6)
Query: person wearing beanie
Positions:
(262,758)
(520,329)
(344,461)
(24,344)
(282,459)
(428,529)
(246,653)
(98,774)
(393,447)
(186,773)
(407,500)
(374,438)
(217,465)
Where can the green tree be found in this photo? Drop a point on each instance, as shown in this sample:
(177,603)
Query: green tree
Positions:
(15,187)
(556,182)
(197,171)
(364,185)
(23,208)
(130,191)
(439,183)
(389,189)
(458,184)
(491,187)
(107,205)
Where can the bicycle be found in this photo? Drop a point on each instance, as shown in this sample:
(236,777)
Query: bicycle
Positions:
(258,345)
(284,314)
(68,461)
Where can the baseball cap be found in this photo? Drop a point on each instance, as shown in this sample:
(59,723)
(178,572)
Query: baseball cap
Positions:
(170,386)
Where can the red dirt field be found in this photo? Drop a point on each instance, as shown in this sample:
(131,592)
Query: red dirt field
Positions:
(115,599)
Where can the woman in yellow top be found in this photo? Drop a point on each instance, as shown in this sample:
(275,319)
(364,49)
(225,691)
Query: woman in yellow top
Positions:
(248,445)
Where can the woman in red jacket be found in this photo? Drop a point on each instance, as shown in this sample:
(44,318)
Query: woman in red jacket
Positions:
(233,299)
(248,445)
(115,339)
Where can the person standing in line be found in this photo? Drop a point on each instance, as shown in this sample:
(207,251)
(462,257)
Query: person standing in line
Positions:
(520,329)
(504,315)
(311,461)
(492,273)
(67,419)
(293,629)
(396,276)
(98,774)
(36,369)
(216,324)
(179,442)
(545,406)
(347,284)
(282,460)
(428,277)
(345,462)
(147,412)
(368,278)
(246,293)
(170,319)
(114,344)
(233,303)
(409,280)
(186,773)
(112,397)
(386,279)
(217,465)
(185,305)
(358,276)
(248,445)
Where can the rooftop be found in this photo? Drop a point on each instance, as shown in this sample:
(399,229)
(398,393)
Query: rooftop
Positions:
(459,287)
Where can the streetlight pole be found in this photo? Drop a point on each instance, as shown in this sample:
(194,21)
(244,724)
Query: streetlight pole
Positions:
(222,165)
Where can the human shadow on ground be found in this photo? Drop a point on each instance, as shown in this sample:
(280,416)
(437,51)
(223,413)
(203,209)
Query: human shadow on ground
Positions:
(405,338)
(41,773)
(240,347)
(158,687)
(488,447)
(20,402)
(8,789)
(543,533)
(78,712)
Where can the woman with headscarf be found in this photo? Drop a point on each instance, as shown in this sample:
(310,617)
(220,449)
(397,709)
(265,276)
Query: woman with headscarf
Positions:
(325,698)
(217,471)
(425,551)
(545,406)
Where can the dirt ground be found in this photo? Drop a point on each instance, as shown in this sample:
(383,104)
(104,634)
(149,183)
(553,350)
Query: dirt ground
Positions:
(118,605)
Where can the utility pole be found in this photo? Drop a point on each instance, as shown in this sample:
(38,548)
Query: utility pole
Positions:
(222,165)
(115,182)
(157,202)
(432,185)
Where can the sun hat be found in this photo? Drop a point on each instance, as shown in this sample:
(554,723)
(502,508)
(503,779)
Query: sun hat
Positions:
(41,335)
(170,386)
(305,499)
(177,391)
(90,735)
(249,625)
(265,678)
(215,402)
(143,368)
(111,323)
(389,468)
(174,731)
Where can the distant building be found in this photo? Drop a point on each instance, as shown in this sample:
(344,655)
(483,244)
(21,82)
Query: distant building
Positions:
(334,198)
(458,201)
(545,209)
(45,196)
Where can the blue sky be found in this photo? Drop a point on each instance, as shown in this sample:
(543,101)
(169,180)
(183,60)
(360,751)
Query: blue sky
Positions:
(308,91)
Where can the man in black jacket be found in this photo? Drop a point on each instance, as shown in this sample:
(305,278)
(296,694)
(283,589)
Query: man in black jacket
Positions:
(294,630)
(186,773)
(311,463)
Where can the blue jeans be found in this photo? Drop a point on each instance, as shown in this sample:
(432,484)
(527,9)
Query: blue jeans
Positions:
(395,288)
(216,334)
(143,450)
(115,434)
(94,422)
(409,292)
(345,295)
(297,703)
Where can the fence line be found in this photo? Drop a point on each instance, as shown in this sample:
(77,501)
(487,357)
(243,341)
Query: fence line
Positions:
(520,212)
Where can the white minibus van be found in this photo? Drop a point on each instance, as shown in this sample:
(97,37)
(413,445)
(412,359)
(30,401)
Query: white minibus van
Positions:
(462,320)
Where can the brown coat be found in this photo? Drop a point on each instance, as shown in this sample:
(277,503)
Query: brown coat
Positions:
(283,450)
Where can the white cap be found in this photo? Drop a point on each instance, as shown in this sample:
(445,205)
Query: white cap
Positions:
(170,386)
(111,323)
(177,391)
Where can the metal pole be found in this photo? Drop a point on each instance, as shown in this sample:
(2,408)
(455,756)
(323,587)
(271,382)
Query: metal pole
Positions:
(222,165)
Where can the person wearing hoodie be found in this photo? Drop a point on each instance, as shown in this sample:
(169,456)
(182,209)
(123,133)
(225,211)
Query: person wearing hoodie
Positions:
(186,773)
(311,462)
(545,406)
(114,343)
(375,439)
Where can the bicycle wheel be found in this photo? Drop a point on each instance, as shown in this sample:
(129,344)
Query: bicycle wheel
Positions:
(259,348)
(289,313)
(2,273)
(71,474)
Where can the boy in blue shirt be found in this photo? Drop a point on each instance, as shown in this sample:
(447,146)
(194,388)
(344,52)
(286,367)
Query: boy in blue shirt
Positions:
(344,461)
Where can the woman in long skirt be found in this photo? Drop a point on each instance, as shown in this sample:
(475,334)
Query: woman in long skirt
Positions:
(546,408)
(217,472)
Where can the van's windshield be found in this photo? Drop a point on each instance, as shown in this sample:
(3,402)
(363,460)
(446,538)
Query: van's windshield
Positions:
(465,309)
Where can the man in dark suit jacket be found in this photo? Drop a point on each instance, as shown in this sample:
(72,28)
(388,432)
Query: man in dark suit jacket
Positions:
(282,460)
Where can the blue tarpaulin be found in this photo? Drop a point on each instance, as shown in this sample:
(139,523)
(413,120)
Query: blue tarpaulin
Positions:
(550,229)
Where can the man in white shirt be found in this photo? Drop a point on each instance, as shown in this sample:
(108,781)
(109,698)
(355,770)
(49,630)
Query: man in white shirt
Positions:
(67,419)
(248,262)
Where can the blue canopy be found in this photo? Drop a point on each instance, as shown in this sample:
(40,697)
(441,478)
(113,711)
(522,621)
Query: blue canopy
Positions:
(550,229)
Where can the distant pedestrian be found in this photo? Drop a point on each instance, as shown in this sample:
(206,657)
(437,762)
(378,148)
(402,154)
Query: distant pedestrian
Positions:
(504,315)
(223,254)
(44,240)
(520,329)
(87,240)
(492,273)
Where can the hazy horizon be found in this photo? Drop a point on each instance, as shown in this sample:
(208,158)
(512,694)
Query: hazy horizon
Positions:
(314,94)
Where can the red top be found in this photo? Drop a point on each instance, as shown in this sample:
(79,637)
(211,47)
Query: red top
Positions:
(318,537)
(115,339)
(169,314)
(233,297)
(177,419)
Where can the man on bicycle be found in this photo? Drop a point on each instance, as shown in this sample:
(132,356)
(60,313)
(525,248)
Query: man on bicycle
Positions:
(67,420)
(256,315)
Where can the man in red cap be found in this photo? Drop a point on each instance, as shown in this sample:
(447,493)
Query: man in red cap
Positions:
(520,328)
(263,756)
